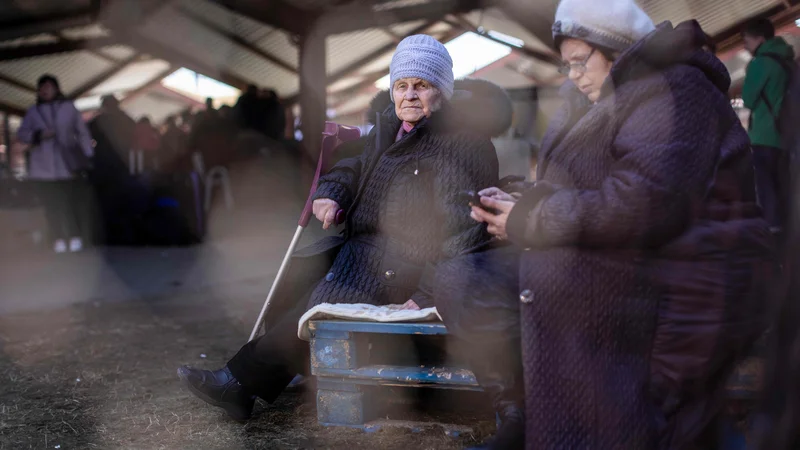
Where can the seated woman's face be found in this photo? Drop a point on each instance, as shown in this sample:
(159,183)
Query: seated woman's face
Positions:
(415,98)
(588,67)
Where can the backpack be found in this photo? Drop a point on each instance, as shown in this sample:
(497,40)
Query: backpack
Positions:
(787,118)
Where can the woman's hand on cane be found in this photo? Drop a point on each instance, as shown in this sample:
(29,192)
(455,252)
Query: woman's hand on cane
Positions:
(325,210)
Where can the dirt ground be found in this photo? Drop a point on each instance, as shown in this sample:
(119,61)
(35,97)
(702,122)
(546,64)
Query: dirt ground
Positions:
(90,344)
(103,376)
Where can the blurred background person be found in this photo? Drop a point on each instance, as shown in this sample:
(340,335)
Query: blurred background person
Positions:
(274,116)
(765,84)
(247,110)
(61,147)
(147,141)
(173,143)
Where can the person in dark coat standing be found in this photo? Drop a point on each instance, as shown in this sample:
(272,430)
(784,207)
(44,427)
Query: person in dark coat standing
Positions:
(644,252)
(403,215)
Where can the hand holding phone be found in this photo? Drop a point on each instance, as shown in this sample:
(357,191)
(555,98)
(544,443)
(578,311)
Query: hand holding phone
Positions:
(472,198)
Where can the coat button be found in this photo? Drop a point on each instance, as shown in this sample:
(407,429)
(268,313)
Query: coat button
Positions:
(329,276)
(526,296)
(389,275)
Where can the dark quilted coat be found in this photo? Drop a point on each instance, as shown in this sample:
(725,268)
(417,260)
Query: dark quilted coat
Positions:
(401,199)
(644,256)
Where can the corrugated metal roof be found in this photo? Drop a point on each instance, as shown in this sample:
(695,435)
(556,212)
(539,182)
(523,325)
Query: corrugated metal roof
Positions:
(344,83)
(131,77)
(37,39)
(355,103)
(244,27)
(18,10)
(171,28)
(345,49)
(87,32)
(380,63)
(15,96)
(714,15)
(277,43)
(72,69)
(177,31)
(391,4)
(264,74)
(404,28)
(495,20)
(156,107)
(312,5)
(118,52)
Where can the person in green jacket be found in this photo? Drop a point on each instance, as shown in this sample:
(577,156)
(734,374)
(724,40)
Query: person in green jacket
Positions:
(763,92)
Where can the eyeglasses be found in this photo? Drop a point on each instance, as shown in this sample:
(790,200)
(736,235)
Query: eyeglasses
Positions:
(579,67)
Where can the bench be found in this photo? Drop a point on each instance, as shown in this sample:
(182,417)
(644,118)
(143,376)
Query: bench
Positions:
(355,362)
(352,360)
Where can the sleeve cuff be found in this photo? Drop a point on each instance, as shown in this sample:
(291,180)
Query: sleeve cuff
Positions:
(422,300)
(519,219)
(334,191)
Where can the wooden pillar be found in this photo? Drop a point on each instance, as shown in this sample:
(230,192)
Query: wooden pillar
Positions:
(313,87)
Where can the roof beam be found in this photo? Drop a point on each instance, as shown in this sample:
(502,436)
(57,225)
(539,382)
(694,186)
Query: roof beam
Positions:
(174,95)
(536,17)
(731,38)
(358,17)
(14,29)
(13,110)
(394,36)
(149,85)
(105,75)
(158,50)
(275,13)
(545,57)
(237,40)
(93,51)
(30,51)
(16,83)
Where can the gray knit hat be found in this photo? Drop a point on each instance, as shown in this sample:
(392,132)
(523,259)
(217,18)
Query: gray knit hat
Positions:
(422,56)
(613,24)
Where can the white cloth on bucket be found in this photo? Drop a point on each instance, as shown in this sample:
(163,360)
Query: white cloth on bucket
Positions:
(363,313)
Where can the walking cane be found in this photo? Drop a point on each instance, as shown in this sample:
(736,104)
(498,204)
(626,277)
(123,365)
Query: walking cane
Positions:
(333,136)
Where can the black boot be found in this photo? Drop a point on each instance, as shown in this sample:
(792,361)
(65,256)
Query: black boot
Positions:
(500,376)
(219,388)
(510,431)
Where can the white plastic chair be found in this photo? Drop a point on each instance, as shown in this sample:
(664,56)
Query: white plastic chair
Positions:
(216,176)
(136,161)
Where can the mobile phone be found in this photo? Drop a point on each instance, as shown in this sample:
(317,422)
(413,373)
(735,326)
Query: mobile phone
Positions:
(472,198)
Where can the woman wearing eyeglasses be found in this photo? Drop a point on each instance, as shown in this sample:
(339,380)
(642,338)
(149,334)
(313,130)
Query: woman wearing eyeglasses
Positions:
(645,252)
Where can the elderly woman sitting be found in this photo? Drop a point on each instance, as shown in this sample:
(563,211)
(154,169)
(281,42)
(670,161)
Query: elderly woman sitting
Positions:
(403,217)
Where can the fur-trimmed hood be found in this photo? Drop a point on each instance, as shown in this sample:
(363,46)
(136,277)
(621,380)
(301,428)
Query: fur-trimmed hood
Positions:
(477,105)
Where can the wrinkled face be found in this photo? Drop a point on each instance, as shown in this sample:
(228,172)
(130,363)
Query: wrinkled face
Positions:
(47,91)
(751,43)
(414,99)
(588,68)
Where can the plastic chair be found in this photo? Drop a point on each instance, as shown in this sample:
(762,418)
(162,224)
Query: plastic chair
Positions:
(136,161)
(216,176)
